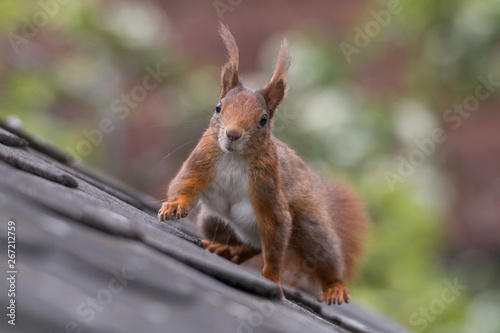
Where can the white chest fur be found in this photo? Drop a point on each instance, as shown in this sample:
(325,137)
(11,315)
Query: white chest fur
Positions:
(227,197)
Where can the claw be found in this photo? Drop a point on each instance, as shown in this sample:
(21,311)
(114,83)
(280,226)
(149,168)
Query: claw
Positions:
(336,293)
(172,211)
(237,253)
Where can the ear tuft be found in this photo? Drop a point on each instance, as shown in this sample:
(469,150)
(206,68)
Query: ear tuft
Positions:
(275,92)
(229,75)
(284,62)
(230,43)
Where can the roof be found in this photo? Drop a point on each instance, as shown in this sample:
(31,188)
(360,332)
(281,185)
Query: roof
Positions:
(91,257)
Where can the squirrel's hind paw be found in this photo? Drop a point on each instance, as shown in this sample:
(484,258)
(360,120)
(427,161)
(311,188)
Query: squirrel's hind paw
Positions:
(223,251)
(335,293)
(237,253)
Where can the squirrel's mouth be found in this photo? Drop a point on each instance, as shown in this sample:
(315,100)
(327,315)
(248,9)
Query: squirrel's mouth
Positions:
(229,147)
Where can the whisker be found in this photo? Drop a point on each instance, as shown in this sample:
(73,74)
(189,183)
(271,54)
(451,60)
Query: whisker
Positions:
(158,201)
(219,122)
(215,232)
(178,124)
(181,146)
(172,152)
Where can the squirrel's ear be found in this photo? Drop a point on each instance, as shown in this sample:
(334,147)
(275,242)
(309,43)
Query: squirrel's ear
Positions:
(275,92)
(229,75)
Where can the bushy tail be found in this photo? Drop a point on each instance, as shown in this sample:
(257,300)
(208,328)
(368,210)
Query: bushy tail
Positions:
(352,225)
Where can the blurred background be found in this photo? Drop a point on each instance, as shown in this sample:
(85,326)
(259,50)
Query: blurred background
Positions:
(399,98)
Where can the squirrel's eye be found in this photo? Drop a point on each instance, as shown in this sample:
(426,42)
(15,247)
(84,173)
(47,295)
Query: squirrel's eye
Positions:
(218,107)
(263,120)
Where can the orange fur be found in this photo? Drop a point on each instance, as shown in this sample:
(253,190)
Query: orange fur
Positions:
(321,225)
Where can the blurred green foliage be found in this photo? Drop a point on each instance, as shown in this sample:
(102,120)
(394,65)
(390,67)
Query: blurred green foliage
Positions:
(341,127)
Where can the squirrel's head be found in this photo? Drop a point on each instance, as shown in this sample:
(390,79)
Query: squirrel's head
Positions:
(243,117)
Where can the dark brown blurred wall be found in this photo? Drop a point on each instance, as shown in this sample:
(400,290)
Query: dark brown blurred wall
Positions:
(473,158)
(252,21)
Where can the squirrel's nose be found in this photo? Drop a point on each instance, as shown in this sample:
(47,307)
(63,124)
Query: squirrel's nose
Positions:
(233,134)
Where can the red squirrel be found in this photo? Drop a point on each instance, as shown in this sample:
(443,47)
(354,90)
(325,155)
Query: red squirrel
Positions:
(256,194)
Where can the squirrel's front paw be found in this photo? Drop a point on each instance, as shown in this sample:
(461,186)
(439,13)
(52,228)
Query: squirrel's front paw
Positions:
(172,210)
